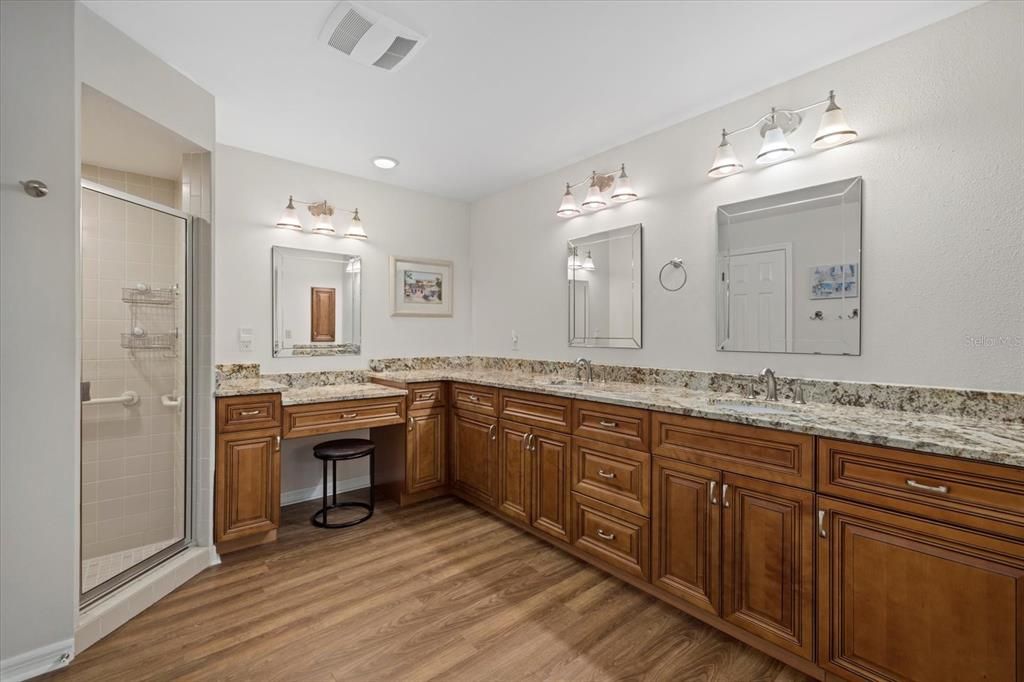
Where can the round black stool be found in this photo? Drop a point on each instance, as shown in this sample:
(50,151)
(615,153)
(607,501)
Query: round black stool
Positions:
(335,451)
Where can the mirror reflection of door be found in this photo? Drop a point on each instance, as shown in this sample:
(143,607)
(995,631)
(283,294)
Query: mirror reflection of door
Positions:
(758,302)
(322,314)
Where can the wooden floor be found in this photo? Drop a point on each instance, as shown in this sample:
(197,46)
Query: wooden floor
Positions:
(436,591)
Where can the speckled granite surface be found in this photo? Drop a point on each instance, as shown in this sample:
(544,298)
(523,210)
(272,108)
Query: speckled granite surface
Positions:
(972,438)
(322,394)
(247,386)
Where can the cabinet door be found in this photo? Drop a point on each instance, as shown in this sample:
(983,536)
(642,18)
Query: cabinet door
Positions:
(551,503)
(514,471)
(425,450)
(906,599)
(474,456)
(768,561)
(247,484)
(686,521)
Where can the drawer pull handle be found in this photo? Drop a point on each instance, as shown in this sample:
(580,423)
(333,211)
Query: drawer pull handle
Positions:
(349,415)
(526,441)
(725,491)
(712,484)
(278,443)
(410,424)
(531,445)
(427,396)
(821,523)
(605,536)
(941,489)
(474,398)
(608,425)
(249,413)
(492,431)
(605,474)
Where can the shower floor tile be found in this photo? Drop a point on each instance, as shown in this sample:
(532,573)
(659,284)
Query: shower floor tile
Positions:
(102,568)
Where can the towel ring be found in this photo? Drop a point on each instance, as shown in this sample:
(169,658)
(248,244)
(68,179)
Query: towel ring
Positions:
(676,263)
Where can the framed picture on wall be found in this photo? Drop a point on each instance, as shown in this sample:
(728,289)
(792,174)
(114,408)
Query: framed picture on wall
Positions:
(421,287)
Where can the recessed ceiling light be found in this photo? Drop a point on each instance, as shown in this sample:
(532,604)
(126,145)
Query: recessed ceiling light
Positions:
(385,162)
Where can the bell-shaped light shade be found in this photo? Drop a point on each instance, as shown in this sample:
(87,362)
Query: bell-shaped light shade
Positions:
(588,263)
(568,207)
(726,162)
(833,129)
(594,200)
(355,228)
(775,148)
(289,217)
(574,261)
(622,190)
(324,224)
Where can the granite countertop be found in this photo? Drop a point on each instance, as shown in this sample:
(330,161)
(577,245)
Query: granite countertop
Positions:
(970,438)
(322,394)
(232,387)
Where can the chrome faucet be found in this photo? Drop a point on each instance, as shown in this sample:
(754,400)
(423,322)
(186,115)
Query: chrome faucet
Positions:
(768,374)
(581,364)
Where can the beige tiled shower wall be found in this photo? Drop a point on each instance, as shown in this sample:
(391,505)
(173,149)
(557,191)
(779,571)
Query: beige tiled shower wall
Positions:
(132,457)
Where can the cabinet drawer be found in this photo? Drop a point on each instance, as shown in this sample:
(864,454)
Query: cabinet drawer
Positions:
(624,426)
(544,411)
(248,412)
(426,396)
(612,474)
(476,398)
(345,415)
(780,456)
(984,496)
(616,537)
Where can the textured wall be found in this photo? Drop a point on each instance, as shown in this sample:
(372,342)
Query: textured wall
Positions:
(941,117)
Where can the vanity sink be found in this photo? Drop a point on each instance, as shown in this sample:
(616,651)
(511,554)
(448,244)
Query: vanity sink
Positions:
(561,382)
(750,407)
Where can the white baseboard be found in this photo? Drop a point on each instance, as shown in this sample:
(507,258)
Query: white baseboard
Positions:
(316,492)
(38,661)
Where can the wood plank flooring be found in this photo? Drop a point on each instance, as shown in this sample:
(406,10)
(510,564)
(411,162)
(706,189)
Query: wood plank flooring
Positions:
(440,590)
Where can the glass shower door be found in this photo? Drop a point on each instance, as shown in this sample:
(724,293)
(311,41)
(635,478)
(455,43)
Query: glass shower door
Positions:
(136,448)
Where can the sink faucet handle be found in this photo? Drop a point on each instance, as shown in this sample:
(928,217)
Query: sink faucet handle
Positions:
(750,390)
(798,395)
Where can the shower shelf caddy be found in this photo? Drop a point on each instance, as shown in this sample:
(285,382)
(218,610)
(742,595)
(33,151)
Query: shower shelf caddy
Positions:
(148,341)
(149,296)
(144,295)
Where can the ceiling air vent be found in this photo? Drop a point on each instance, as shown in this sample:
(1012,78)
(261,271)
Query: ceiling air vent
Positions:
(369,37)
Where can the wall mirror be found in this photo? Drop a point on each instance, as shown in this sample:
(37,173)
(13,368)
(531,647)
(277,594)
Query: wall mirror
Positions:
(789,272)
(605,288)
(316,303)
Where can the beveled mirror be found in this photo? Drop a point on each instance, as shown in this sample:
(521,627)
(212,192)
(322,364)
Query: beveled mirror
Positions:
(605,273)
(789,272)
(316,303)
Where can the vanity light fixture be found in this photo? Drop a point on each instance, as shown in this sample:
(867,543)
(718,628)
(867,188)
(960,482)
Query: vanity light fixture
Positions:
(833,130)
(574,260)
(588,263)
(323,213)
(598,185)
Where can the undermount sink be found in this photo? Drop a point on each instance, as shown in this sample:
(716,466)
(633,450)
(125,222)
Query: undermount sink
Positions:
(749,407)
(562,382)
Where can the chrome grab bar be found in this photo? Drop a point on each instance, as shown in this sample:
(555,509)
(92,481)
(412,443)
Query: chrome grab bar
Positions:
(170,401)
(127,398)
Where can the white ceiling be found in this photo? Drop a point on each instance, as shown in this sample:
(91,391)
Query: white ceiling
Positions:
(502,91)
(114,136)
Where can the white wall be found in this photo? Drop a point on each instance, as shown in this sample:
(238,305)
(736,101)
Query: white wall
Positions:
(941,117)
(252,189)
(38,366)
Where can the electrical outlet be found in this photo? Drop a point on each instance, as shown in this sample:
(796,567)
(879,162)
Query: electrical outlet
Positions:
(245,338)
(515,340)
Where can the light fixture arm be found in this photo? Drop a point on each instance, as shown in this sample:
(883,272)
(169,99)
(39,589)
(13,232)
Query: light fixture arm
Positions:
(774,112)
(590,178)
(321,207)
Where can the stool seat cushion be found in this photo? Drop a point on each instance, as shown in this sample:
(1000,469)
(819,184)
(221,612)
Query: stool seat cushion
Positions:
(343,448)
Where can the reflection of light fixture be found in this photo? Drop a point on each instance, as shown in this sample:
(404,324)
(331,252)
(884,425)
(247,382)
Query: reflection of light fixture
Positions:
(588,263)
(574,261)
(568,208)
(290,217)
(776,147)
(594,200)
(622,191)
(833,130)
(323,213)
(598,184)
(726,162)
(355,228)
(385,162)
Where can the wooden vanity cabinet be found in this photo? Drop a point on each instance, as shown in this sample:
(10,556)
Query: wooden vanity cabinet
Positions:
(426,452)
(533,472)
(474,456)
(901,598)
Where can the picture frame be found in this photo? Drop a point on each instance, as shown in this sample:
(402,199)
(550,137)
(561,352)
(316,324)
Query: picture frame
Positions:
(420,287)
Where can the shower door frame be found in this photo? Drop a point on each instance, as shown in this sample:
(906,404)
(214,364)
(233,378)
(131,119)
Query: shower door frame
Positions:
(191,431)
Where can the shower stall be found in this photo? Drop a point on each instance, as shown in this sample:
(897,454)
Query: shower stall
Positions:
(137,383)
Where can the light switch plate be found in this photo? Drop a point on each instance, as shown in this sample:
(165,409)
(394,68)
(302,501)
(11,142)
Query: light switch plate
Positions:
(245,338)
